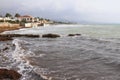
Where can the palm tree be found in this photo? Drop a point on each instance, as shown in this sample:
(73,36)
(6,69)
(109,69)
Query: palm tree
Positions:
(17,15)
(8,15)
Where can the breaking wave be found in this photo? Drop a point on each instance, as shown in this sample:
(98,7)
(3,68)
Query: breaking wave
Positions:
(63,58)
(16,56)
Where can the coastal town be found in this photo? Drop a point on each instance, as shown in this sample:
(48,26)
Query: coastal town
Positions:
(26,21)
(13,22)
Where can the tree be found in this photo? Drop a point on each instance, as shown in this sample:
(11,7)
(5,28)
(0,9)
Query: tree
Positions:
(41,19)
(8,15)
(17,15)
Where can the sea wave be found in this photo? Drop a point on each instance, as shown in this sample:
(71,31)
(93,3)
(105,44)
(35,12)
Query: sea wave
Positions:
(16,56)
(66,58)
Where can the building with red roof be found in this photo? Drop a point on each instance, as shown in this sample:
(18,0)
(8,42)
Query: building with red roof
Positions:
(27,18)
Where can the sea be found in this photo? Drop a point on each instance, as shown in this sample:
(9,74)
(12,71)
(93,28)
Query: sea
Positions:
(95,55)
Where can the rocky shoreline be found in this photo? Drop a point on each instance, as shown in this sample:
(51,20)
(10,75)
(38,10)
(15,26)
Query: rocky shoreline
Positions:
(15,72)
(6,37)
(9,74)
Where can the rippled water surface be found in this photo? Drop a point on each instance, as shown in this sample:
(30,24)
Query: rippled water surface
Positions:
(93,56)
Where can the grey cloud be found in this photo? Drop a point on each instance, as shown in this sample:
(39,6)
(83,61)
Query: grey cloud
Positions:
(96,11)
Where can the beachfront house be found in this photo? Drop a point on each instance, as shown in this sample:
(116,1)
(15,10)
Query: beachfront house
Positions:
(25,18)
(1,18)
(6,19)
(28,21)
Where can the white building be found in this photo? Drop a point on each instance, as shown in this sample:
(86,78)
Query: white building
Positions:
(27,18)
(7,19)
(1,18)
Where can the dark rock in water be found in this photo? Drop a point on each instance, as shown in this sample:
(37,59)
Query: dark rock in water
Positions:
(74,34)
(6,48)
(9,74)
(78,34)
(30,35)
(71,34)
(5,38)
(50,35)
(18,35)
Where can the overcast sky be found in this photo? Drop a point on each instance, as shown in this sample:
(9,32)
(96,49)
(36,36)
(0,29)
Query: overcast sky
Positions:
(83,11)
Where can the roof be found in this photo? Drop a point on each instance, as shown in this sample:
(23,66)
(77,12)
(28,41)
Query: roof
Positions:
(25,16)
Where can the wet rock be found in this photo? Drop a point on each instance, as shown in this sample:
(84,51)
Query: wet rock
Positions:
(6,48)
(9,74)
(74,34)
(50,35)
(78,34)
(5,38)
(71,34)
(18,35)
(30,35)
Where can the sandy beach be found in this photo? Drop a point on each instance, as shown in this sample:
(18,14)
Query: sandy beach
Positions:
(6,28)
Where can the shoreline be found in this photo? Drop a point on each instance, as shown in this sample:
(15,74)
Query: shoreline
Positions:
(7,28)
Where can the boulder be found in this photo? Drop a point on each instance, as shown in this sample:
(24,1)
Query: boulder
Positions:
(9,74)
(71,34)
(50,35)
(6,48)
(5,38)
(78,34)
(30,35)
(74,34)
(18,35)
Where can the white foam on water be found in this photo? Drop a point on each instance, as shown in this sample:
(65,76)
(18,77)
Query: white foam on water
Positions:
(19,50)
(20,56)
